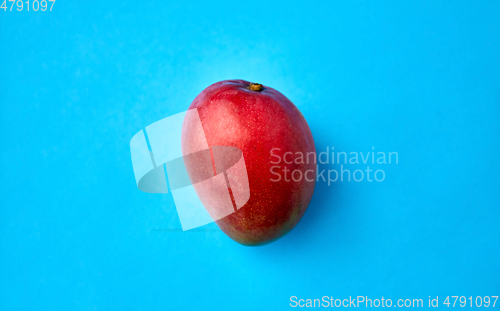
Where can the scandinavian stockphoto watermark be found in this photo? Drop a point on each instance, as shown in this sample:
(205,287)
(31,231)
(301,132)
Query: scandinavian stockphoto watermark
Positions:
(346,165)
(371,302)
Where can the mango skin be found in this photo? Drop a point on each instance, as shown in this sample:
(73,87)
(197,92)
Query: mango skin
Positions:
(260,123)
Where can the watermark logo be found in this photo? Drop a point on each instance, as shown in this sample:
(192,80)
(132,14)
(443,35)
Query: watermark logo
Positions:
(207,182)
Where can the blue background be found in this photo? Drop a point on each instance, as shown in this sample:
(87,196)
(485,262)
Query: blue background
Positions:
(418,78)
